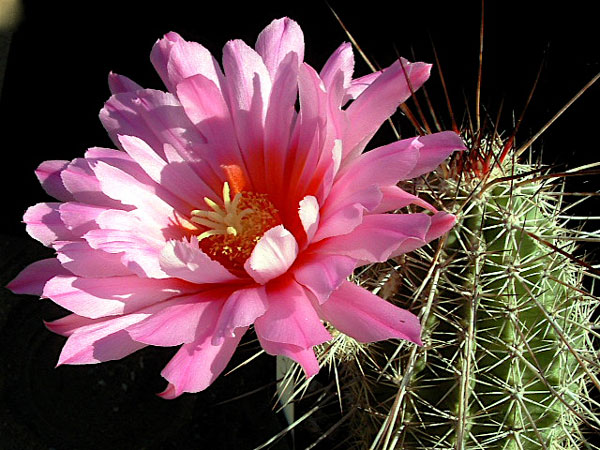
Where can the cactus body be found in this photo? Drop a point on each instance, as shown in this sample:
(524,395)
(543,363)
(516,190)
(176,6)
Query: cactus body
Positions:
(507,357)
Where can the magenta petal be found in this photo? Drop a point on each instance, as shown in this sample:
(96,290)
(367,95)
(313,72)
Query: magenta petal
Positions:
(180,320)
(303,356)
(291,318)
(279,38)
(48,173)
(272,256)
(196,365)
(368,318)
(68,325)
(32,278)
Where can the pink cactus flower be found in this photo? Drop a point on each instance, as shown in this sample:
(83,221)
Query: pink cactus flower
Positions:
(227,206)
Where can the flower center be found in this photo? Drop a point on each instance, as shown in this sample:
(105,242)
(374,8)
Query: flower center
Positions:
(233,229)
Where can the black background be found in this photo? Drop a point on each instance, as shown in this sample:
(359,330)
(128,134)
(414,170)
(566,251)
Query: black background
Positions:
(56,83)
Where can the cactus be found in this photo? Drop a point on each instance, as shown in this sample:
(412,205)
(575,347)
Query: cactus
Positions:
(508,316)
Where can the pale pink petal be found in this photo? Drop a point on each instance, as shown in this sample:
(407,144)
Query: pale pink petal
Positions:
(309,216)
(322,274)
(99,297)
(290,318)
(180,320)
(379,101)
(368,318)
(84,261)
(185,260)
(396,198)
(119,83)
(273,255)
(304,356)
(240,310)
(176,59)
(196,365)
(277,40)
(48,173)
(45,225)
(31,279)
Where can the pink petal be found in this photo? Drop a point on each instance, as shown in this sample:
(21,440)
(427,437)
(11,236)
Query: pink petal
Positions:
(436,148)
(368,318)
(82,260)
(68,325)
(48,173)
(303,356)
(31,279)
(196,365)
(79,218)
(240,310)
(396,198)
(126,234)
(79,178)
(185,260)
(100,341)
(272,256)
(247,93)
(277,40)
(291,318)
(322,274)
(176,59)
(156,117)
(119,83)
(379,235)
(99,297)
(45,225)
(309,216)
(279,121)
(180,320)
(127,189)
(379,101)
(441,223)
(358,85)
(204,104)
(340,62)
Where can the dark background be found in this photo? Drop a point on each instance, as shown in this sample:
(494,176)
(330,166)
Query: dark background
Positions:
(55,84)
